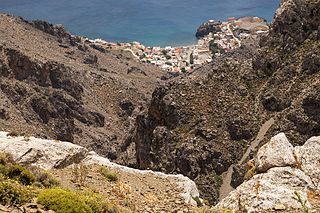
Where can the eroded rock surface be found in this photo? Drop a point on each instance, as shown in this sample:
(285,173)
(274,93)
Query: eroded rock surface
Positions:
(277,153)
(291,181)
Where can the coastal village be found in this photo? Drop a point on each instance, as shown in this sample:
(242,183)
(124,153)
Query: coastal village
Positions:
(225,37)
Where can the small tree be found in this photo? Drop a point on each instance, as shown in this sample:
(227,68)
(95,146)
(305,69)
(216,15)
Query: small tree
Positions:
(191,58)
(213,47)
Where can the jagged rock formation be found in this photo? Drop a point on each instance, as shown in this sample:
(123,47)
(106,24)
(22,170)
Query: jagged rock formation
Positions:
(288,179)
(202,123)
(52,154)
(210,26)
(55,85)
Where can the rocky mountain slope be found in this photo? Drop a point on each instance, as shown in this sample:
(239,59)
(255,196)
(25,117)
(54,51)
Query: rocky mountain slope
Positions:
(78,169)
(58,86)
(201,124)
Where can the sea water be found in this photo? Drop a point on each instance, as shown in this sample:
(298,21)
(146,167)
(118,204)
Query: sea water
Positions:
(152,22)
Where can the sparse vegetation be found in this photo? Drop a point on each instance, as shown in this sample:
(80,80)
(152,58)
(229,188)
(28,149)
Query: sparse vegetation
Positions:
(6,158)
(218,178)
(13,133)
(97,202)
(14,193)
(198,201)
(79,173)
(63,201)
(251,170)
(20,173)
(46,179)
(110,176)
(302,202)
(213,47)
(208,209)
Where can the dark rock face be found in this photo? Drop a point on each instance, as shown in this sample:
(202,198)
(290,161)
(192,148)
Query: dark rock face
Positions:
(272,103)
(238,130)
(136,70)
(90,59)
(311,63)
(238,174)
(56,31)
(127,106)
(55,108)
(208,27)
(311,105)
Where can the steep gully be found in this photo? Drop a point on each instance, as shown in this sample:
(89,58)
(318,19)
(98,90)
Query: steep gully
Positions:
(226,187)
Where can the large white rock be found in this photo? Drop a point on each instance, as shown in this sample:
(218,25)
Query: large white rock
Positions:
(278,152)
(289,173)
(45,154)
(308,159)
(267,191)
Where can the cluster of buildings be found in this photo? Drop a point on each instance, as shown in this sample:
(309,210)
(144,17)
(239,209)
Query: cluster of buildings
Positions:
(185,58)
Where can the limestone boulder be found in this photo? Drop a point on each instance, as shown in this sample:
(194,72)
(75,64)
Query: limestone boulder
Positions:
(45,154)
(265,192)
(277,153)
(308,159)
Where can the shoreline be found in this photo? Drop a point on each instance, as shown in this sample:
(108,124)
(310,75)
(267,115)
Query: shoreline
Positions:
(214,38)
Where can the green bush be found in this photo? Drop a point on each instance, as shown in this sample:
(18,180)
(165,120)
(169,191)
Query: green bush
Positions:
(13,193)
(46,179)
(20,174)
(183,70)
(97,203)
(63,201)
(111,176)
(6,159)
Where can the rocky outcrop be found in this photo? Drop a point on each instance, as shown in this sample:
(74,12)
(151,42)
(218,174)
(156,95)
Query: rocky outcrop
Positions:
(210,26)
(277,153)
(45,154)
(57,30)
(289,180)
(53,154)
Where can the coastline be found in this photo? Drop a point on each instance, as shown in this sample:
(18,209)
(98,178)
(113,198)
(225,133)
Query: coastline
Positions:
(213,39)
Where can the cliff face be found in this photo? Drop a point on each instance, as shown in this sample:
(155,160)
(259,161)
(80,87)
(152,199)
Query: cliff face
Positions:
(208,27)
(202,123)
(55,85)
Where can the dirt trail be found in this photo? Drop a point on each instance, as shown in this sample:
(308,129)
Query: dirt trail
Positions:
(226,187)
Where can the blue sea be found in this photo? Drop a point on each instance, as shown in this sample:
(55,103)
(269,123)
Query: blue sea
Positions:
(152,22)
